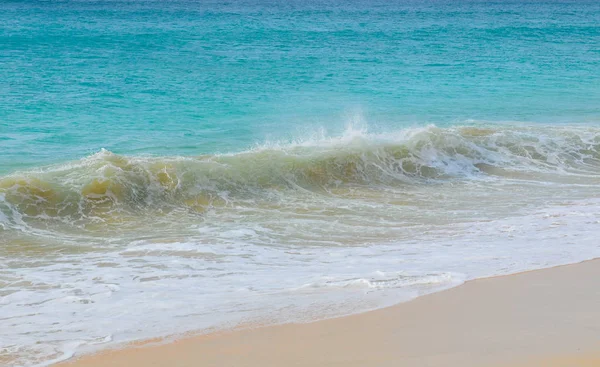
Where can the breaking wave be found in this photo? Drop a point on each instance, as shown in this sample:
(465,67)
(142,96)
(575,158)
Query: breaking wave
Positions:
(104,184)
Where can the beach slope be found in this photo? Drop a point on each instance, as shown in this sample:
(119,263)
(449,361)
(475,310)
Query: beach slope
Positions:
(548,317)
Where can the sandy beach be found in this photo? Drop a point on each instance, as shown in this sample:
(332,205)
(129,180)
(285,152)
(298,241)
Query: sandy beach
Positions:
(548,317)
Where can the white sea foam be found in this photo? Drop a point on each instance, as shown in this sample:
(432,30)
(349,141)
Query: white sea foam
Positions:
(112,248)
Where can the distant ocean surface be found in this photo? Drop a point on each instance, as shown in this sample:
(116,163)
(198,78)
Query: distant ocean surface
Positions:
(176,166)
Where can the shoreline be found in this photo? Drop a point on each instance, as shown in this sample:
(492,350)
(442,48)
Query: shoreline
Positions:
(543,317)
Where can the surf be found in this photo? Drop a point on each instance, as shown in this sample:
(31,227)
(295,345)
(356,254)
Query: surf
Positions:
(106,185)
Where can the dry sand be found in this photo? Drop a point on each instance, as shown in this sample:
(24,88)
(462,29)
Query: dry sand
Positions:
(547,318)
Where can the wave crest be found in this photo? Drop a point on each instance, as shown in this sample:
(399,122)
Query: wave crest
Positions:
(106,186)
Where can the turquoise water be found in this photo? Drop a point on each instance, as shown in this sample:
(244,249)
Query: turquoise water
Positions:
(178,166)
(197,77)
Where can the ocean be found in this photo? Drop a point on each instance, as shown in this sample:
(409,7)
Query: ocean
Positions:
(171,167)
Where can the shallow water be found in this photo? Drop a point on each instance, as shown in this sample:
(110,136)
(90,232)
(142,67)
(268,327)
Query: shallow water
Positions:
(180,166)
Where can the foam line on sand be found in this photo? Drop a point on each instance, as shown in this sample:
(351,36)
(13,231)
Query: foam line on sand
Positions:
(548,317)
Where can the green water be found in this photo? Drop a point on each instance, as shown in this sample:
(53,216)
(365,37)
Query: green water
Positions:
(187,77)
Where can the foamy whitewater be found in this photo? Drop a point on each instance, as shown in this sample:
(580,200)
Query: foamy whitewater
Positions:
(113,248)
(197,165)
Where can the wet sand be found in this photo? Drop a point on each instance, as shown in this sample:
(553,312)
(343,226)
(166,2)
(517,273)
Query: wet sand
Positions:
(547,318)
